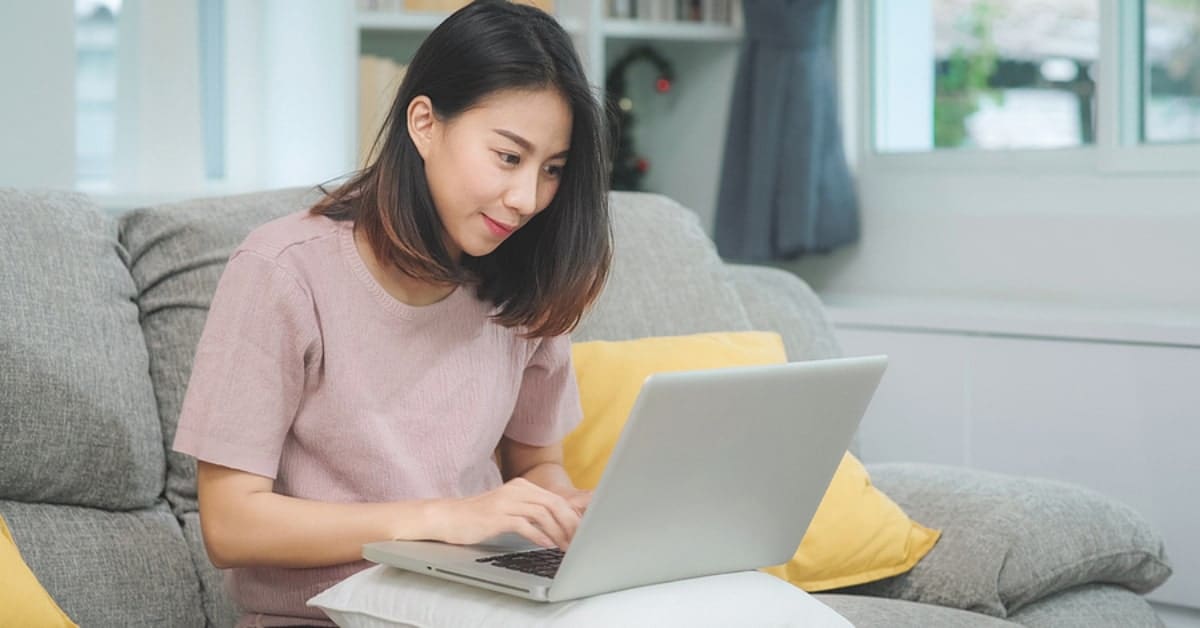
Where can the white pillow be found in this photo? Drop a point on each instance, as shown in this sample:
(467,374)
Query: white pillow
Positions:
(382,596)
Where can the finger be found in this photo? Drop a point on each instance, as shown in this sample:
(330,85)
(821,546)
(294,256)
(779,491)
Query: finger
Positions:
(541,516)
(580,501)
(563,510)
(522,526)
(565,514)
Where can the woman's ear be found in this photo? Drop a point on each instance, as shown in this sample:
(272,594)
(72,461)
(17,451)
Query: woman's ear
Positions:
(421,122)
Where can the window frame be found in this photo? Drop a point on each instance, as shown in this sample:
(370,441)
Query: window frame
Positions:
(1118,149)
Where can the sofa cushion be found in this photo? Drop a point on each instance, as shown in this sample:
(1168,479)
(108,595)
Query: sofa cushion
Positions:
(1009,541)
(1089,606)
(876,612)
(218,606)
(109,568)
(77,409)
(177,254)
(666,277)
(777,300)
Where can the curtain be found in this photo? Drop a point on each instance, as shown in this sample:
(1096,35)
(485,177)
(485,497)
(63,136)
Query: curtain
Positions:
(785,188)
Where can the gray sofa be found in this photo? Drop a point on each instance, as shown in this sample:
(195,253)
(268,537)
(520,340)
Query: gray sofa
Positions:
(100,316)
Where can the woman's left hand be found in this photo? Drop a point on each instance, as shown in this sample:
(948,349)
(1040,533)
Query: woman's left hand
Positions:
(578,498)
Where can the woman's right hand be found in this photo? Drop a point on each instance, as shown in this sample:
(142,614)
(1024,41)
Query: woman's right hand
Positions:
(519,506)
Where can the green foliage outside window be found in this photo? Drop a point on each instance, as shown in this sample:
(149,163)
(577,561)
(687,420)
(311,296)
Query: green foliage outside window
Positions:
(959,88)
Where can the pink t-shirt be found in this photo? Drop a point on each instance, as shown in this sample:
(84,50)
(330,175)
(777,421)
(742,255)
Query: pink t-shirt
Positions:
(309,373)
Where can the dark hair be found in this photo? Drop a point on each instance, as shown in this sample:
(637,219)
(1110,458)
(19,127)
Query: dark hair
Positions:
(545,275)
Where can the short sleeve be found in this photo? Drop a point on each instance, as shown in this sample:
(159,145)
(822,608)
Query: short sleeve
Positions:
(249,371)
(548,405)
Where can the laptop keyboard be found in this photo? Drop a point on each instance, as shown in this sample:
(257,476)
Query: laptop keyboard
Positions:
(537,562)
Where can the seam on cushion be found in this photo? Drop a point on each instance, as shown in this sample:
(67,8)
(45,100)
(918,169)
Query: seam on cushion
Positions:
(1056,573)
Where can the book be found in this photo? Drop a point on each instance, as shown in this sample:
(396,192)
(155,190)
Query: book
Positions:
(378,81)
(449,6)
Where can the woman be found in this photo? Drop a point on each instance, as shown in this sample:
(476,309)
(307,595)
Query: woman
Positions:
(393,363)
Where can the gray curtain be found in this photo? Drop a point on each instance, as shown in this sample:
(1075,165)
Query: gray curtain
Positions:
(785,188)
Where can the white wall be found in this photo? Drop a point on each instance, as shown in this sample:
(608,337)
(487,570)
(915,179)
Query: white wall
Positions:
(1083,239)
(309,62)
(37,94)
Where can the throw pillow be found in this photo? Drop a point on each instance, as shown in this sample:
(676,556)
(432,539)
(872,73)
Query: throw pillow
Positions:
(385,597)
(1009,541)
(23,601)
(857,534)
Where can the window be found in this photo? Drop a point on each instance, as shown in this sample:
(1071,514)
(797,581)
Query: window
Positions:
(95,89)
(1030,75)
(115,87)
(999,74)
(1171,67)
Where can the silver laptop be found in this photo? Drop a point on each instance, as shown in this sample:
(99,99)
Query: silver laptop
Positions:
(716,471)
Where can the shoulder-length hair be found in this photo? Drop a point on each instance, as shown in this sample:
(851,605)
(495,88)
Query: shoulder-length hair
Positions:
(545,275)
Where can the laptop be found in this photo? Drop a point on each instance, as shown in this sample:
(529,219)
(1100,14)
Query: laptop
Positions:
(716,471)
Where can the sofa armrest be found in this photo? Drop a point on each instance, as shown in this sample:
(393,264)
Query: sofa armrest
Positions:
(1090,606)
(1009,541)
(777,300)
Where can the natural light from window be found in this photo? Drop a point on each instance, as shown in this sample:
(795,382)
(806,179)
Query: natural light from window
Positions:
(95,88)
(1171,67)
(1002,74)
(1026,74)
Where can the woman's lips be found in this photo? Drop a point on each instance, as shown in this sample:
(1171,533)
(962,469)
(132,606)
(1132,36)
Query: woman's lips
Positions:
(498,229)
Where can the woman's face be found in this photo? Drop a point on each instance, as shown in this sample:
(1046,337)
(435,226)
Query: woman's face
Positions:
(495,166)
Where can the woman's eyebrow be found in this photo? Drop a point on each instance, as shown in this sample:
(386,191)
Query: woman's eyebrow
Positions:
(524,143)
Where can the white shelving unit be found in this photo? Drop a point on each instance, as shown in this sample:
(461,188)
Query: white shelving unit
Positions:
(616,28)
(670,129)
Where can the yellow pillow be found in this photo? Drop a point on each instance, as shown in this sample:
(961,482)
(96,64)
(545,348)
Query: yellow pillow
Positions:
(23,601)
(857,535)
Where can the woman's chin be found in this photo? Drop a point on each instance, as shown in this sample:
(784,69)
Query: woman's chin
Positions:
(480,249)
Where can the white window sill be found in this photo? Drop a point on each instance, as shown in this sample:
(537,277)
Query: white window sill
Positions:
(1122,325)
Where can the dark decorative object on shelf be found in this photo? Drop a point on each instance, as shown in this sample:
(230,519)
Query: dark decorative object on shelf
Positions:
(628,166)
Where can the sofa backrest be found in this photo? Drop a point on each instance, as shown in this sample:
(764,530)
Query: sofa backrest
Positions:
(666,277)
(78,423)
(177,254)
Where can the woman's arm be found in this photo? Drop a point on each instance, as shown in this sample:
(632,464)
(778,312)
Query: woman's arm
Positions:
(246,524)
(544,467)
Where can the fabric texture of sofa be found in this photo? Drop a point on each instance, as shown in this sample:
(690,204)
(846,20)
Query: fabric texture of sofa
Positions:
(101,315)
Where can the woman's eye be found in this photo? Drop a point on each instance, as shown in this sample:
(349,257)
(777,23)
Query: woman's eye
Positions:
(554,171)
(509,158)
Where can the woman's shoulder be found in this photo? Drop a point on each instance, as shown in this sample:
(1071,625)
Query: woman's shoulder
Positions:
(295,233)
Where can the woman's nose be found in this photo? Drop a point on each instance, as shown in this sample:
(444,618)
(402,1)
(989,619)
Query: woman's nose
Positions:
(522,194)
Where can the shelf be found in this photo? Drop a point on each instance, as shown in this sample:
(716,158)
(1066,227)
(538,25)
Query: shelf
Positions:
(672,31)
(399,22)
(402,22)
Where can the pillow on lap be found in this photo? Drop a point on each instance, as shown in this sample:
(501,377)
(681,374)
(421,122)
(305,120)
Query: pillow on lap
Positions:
(857,535)
(385,597)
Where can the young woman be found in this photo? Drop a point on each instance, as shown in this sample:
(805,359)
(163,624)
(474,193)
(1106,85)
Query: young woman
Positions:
(393,363)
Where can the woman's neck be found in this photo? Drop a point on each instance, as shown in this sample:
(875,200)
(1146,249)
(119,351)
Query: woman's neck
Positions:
(400,286)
